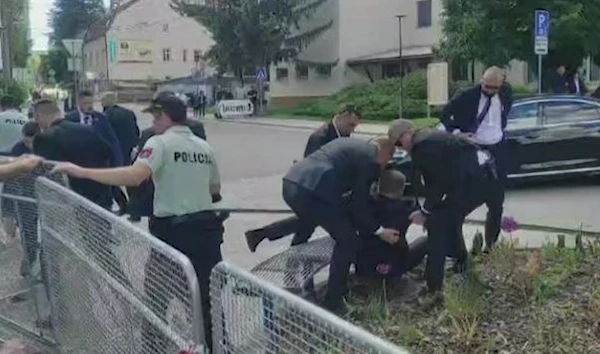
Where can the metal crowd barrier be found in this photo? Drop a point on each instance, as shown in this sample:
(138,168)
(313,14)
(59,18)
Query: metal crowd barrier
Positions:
(252,316)
(23,307)
(113,288)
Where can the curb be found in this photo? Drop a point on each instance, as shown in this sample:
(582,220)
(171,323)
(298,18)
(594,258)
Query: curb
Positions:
(282,125)
(524,227)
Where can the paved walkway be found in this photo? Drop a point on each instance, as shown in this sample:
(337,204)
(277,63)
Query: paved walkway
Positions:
(309,124)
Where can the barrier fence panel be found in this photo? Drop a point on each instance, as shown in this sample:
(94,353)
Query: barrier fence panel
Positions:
(113,288)
(22,305)
(252,316)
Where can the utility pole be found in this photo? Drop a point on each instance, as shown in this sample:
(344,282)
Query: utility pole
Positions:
(401,72)
(6,24)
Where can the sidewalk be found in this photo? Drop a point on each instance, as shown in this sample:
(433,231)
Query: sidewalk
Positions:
(308,124)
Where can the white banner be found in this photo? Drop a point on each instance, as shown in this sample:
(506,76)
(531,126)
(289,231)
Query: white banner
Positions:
(437,84)
(235,108)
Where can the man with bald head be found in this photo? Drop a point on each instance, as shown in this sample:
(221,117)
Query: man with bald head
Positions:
(480,114)
(126,128)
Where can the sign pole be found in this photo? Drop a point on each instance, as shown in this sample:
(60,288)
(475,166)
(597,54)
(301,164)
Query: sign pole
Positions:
(542,33)
(540,74)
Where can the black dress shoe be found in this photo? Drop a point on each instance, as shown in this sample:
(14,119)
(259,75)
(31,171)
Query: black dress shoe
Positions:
(254,238)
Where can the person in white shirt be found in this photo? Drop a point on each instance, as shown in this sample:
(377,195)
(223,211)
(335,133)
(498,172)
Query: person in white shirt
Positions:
(11,123)
(480,114)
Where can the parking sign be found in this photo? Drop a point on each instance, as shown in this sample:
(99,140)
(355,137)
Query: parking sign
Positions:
(542,31)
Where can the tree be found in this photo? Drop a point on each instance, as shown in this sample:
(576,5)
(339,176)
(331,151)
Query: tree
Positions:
(496,31)
(19,41)
(252,34)
(70,18)
(53,66)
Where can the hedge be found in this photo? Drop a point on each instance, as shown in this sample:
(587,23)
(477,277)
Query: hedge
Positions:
(13,88)
(380,101)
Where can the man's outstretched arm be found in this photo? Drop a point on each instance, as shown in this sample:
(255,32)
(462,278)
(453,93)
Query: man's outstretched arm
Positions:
(22,165)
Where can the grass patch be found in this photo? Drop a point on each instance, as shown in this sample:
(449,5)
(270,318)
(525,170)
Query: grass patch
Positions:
(419,122)
(510,301)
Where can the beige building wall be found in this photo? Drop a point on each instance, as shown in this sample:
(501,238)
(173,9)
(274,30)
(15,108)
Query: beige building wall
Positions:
(95,60)
(170,37)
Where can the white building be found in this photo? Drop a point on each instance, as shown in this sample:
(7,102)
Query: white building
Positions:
(362,46)
(145,40)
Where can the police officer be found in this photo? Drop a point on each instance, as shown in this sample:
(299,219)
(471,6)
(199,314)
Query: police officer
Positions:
(457,175)
(186,177)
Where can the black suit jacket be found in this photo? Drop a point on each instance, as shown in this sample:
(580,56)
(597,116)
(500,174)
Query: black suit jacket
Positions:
(445,161)
(462,110)
(105,130)
(124,122)
(320,137)
(341,166)
(78,144)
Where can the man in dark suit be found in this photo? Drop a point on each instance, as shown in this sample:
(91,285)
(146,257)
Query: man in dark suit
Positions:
(61,140)
(559,82)
(457,176)
(480,114)
(314,188)
(125,124)
(343,124)
(86,115)
(141,198)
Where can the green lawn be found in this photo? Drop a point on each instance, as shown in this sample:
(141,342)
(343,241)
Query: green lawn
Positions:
(420,122)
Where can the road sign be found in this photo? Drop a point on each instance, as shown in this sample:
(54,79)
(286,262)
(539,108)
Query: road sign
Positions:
(542,32)
(261,74)
(73,46)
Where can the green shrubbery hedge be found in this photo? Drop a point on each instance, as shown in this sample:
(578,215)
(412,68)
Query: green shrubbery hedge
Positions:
(379,100)
(15,89)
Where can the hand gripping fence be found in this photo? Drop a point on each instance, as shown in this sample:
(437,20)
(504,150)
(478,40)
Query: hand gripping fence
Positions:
(251,316)
(106,295)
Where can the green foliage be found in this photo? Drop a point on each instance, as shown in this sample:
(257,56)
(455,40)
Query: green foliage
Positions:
(496,32)
(14,89)
(252,34)
(53,66)
(71,18)
(19,41)
(378,101)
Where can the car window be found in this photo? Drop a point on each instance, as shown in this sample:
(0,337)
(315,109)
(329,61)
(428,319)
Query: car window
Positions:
(569,111)
(523,116)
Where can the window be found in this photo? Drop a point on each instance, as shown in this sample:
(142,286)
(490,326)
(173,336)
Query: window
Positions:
(197,56)
(302,71)
(167,54)
(184,55)
(323,70)
(281,73)
(569,111)
(423,13)
(523,116)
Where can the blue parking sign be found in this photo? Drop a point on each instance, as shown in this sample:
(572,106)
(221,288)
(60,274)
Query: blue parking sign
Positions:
(542,23)
(261,74)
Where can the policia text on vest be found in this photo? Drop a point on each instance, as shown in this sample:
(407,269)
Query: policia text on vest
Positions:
(192,157)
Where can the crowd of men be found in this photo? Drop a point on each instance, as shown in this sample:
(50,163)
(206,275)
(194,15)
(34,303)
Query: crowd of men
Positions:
(331,187)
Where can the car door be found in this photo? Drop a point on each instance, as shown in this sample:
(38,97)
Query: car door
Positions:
(524,136)
(572,140)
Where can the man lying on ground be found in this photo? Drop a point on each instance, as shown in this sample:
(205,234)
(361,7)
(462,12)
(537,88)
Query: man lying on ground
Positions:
(378,258)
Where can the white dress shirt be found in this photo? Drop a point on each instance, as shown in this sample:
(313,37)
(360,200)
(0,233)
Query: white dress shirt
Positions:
(490,129)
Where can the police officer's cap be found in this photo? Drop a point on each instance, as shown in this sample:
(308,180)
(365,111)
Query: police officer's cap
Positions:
(171,105)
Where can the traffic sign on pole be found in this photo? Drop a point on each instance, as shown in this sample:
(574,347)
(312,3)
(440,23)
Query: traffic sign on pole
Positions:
(542,32)
(261,74)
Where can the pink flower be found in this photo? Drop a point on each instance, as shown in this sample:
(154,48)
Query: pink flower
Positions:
(509,225)
(384,268)
(190,349)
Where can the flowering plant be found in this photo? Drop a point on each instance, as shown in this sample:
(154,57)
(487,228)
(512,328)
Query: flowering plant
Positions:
(509,225)
(190,349)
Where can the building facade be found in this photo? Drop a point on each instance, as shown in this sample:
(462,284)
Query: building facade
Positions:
(145,40)
(362,46)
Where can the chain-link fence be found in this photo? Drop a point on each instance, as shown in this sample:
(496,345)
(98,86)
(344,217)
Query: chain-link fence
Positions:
(22,304)
(107,294)
(253,316)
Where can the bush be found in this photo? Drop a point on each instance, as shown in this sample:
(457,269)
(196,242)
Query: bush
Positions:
(15,89)
(378,101)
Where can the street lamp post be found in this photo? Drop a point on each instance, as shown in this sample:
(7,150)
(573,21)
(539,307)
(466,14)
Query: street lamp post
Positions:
(401,73)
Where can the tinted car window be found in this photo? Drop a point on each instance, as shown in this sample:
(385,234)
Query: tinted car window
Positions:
(569,111)
(523,116)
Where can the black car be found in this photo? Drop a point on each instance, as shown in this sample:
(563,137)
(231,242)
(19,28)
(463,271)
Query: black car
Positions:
(548,136)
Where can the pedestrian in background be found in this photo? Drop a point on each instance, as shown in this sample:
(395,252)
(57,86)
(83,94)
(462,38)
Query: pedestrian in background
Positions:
(11,123)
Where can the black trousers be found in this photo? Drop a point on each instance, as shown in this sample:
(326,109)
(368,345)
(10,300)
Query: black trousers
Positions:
(495,196)
(444,228)
(338,225)
(120,198)
(199,238)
